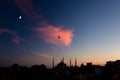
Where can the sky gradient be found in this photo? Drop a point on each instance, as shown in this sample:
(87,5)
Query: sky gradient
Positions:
(35,31)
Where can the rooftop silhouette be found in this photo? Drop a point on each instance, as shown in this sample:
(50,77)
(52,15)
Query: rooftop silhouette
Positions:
(110,71)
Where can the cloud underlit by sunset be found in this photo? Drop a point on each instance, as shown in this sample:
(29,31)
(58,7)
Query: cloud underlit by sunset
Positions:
(15,39)
(51,34)
(7,31)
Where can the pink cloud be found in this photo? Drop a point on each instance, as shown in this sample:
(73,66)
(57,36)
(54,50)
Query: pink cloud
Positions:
(55,35)
(7,31)
(44,55)
(49,33)
(15,39)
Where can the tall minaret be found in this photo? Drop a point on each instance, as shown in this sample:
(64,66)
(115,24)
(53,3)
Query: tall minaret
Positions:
(53,62)
(63,60)
(70,62)
(75,61)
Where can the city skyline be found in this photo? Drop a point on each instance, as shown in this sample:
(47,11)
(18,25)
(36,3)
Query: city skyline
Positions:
(35,31)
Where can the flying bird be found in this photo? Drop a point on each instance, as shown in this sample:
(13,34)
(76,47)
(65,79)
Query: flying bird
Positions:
(59,37)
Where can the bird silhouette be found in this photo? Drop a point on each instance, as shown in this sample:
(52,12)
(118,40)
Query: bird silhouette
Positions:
(59,37)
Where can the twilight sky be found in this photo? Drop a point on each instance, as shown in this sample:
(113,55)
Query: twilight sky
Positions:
(33,31)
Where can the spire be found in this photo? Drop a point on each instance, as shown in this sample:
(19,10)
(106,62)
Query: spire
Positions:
(63,59)
(75,61)
(70,62)
(53,62)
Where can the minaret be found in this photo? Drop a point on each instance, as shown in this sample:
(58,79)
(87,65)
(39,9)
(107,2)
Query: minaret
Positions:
(53,62)
(75,62)
(63,60)
(70,62)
